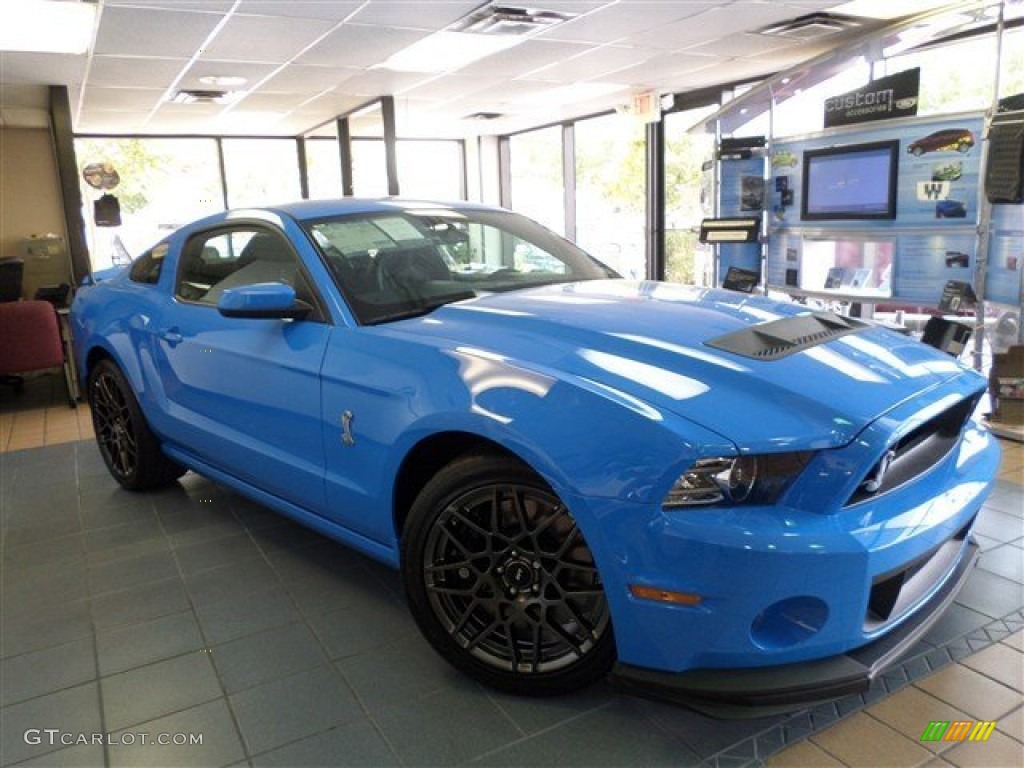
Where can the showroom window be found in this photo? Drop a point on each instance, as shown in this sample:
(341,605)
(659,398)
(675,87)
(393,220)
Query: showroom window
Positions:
(323,169)
(431,170)
(536,179)
(163,184)
(261,171)
(611,192)
(687,196)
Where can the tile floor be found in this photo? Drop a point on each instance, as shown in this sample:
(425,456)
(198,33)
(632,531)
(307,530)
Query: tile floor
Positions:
(192,611)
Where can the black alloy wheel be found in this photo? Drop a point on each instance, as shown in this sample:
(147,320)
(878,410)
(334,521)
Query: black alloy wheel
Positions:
(129,449)
(502,582)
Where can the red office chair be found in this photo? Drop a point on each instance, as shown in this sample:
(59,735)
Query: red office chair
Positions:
(30,341)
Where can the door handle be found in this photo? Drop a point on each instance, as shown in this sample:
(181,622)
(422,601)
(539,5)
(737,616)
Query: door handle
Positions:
(172,336)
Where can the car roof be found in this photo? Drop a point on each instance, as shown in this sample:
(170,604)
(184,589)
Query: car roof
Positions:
(321,209)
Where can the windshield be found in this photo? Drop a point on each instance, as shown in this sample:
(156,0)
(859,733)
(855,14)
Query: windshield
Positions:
(408,262)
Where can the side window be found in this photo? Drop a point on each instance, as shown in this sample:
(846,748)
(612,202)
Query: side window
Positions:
(215,261)
(147,268)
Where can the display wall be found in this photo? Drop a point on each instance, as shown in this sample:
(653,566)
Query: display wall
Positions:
(930,238)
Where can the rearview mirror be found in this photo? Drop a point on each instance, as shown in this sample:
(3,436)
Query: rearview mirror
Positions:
(263,300)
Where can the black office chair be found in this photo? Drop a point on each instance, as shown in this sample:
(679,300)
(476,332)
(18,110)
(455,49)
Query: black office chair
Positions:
(11,272)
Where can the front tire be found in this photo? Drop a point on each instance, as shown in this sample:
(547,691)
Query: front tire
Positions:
(129,449)
(501,581)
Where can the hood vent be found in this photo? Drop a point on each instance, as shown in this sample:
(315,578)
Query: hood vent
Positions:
(497,19)
(812,26)
(777,339)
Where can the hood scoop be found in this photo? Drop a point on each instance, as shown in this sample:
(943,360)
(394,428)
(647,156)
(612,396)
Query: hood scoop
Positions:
(777,339)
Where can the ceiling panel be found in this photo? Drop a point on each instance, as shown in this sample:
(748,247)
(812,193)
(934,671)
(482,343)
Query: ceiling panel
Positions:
(252,71)
(380,82)
(262,38)
(296,77)
(592,65)
(273,102)
(744,45)
(415,14)
(149,32)
(525,57)
(109,122)
(354,45)
(665,68)
(41,68)
(213,6)
(303,9)
(614,22)
(122,99)
(135,72)
(453,87)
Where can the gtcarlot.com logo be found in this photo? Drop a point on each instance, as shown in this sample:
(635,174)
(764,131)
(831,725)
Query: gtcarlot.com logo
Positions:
(55,737)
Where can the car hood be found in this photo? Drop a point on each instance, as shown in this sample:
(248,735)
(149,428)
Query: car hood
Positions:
(647,340)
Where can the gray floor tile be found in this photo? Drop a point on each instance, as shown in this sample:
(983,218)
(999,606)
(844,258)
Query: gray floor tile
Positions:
(216,552)
(40,672)
(232,581)
(1005,561)
(40,597)
(29,633)
(291,535)
(48,551)
(319,700)
(73,710)
(112,507)
(142,603)
(159,689)
(64,523)
(991,594)
(220,746)
(103,539)
(956,621)
(398,673)
(138,549)
(1007,501)
(116,575)
(534,715)
(354,744)
(999,525)
(83,756)
(447,727)
(364,624)
(244,615)
(611,736)
(265,656)
(140,644)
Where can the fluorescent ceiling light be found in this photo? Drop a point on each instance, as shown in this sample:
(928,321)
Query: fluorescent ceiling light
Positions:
(42,26)
(445,51)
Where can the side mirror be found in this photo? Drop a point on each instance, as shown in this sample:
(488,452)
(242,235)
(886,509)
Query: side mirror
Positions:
(263,300)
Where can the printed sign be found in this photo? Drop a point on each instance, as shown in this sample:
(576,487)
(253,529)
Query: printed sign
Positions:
(881,99)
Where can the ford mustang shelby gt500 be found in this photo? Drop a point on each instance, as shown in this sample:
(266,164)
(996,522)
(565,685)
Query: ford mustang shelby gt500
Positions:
(727,498)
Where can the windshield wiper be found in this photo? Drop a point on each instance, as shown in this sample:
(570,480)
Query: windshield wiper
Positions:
(421,309)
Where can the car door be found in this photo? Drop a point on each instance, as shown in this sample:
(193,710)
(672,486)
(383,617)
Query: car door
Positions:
(243,394)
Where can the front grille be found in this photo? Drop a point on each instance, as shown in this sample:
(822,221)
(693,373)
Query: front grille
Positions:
(894,593)
(916,452)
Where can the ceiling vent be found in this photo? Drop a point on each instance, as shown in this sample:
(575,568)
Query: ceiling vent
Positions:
(812,26)
(203,96)
(497,19)
(483,116)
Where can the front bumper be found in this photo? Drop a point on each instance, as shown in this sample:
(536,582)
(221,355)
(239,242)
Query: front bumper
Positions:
(754,692)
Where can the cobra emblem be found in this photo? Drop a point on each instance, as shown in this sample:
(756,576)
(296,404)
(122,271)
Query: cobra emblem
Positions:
(872,484)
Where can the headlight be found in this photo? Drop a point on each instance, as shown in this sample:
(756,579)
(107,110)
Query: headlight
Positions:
(733,480)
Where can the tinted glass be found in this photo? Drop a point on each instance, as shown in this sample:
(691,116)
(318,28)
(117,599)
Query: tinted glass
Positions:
(395,265)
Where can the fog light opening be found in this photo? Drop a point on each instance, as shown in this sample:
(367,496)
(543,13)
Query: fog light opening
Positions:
(664,595)
(789,622)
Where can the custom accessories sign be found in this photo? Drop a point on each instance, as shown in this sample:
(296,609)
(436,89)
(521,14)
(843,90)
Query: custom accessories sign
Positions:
(881,99)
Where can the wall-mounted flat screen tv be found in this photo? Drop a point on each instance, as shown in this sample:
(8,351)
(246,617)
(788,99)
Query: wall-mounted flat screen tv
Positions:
(855,181)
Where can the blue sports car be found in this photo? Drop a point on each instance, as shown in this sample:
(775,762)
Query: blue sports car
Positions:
(729,500)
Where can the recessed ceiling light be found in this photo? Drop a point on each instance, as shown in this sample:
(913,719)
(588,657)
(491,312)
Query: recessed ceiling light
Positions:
(224,80)
(43,26)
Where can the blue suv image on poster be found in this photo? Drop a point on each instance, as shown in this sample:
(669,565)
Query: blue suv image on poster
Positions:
(717,497)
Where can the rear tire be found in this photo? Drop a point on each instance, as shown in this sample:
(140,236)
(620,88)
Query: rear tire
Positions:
(129,448)
(501,581)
